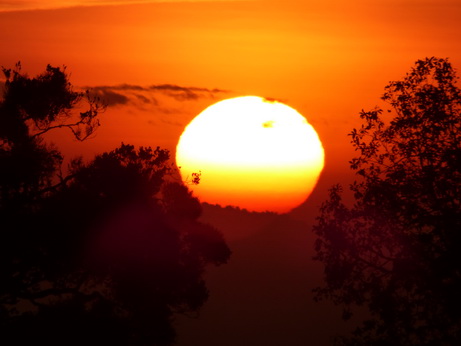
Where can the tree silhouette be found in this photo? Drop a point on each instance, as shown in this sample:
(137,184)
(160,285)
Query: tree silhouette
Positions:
(396,249)
(106,254)
(30,108)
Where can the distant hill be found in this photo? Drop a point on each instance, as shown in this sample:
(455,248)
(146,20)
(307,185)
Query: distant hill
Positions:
(263,296)
(236,223)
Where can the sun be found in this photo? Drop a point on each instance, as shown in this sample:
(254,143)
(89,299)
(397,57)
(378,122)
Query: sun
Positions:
(253,153)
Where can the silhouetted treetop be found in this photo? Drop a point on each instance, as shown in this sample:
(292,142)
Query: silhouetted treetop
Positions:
(396,249)
(30,107)
(45,101)
(103,253)
(126,173)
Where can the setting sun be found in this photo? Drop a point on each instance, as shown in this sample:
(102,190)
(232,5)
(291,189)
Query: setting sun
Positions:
(254,153)
(111,112)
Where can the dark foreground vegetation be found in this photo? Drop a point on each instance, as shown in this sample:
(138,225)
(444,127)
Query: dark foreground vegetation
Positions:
(396,249)
(103,252)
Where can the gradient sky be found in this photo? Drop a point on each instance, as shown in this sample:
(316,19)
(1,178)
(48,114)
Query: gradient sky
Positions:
(326,59)
(159,63)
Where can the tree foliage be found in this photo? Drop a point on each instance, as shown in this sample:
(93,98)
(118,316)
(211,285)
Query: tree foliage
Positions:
(396,249)
(105,254)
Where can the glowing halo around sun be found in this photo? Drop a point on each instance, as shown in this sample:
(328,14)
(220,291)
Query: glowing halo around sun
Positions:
(252,153)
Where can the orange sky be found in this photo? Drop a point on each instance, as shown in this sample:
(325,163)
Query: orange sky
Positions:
(326,59)
(160,63)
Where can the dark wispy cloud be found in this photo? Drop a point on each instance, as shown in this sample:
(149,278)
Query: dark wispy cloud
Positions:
(180,93)
(273,99)
(109,97)
(143,96)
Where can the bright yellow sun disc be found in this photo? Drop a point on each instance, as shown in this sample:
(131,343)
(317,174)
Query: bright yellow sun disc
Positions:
(252,153)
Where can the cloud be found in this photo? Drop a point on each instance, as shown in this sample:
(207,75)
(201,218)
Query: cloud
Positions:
(142,96)
(144,99)
(19,5)
(273,100)
(109,97)
(180,93)
(168,104)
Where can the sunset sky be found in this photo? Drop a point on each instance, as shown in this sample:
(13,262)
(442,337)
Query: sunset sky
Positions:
(160,63)
(326,59)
